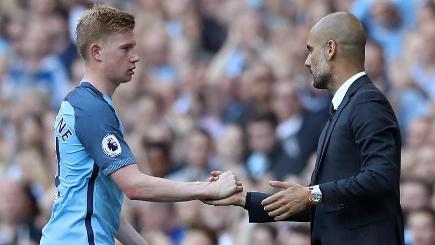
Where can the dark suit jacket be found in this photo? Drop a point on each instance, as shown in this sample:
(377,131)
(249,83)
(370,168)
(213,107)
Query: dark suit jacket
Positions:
(358,170)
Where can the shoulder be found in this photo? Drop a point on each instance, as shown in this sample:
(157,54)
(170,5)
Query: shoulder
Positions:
(370,104)
(89,105)
(369,93)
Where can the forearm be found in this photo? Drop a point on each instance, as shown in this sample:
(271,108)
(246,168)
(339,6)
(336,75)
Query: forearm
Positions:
(374,129)
(257,214)
(366,185)
(149,188)
(139,186)
(127,235)
(217,67)
(379,175)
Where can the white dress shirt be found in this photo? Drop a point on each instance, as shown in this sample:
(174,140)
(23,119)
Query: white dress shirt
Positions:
(341,91)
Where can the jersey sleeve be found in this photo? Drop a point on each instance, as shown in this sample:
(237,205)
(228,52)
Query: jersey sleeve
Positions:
(99,130)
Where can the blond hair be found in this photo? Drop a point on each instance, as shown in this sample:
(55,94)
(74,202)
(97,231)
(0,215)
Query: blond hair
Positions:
(98,23)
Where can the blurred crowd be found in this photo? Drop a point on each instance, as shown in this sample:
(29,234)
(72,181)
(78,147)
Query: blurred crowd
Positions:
(221,85)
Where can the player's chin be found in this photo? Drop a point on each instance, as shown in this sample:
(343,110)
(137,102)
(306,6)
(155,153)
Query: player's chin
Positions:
(127,79)
(128,76)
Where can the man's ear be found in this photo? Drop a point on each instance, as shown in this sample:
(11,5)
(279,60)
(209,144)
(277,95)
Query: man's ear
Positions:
(95,51)
(331,49)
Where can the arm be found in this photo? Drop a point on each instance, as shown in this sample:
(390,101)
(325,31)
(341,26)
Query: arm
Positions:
(99,130)
(217,67)
(139,186)
(258,214)
(252,201)
(376,133)
(127,235)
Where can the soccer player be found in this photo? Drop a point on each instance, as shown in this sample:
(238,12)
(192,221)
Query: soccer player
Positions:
(95,164)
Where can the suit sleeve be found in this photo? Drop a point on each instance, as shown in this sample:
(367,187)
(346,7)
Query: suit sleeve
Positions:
(258,215)
(376,133)
(98,129)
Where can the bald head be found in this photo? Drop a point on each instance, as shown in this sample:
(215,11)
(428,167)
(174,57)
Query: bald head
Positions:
(346,31)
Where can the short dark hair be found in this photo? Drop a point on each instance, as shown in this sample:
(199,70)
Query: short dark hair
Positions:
(269,228)
(263,116)
(209,233)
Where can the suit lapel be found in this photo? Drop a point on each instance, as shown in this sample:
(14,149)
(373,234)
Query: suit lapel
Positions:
(329,127)
(333,121)
(318,152)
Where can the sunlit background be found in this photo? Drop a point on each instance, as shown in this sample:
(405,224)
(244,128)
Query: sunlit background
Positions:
(221,85)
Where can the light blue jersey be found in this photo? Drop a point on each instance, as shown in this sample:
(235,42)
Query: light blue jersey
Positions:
(90,146)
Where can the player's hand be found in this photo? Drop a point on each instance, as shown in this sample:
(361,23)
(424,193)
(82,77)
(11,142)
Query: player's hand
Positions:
(291,200)
(214,175)
(237,199)
(224,186)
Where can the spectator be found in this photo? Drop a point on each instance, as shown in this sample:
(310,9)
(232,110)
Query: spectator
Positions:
(263,235)
(415,194)
(267,154)
(421,225)
(296,235)
(231,149)
(18,213)
(157,145)
(196,164)
(298,130)
(375,66)
(210,64)
(386,22)
(200,236)
(153,218)
(35,69)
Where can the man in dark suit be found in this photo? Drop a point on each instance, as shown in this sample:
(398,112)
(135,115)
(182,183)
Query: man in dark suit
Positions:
(353,197)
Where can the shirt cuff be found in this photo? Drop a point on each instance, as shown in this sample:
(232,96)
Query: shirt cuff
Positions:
(118,165)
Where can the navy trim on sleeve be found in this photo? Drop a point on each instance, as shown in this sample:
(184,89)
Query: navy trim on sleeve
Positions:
(116,166)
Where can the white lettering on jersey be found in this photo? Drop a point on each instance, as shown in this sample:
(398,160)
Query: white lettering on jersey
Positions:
(63,131)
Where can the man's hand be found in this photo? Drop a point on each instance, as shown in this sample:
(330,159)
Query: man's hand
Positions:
(224,186)
(291,200)
(237,199)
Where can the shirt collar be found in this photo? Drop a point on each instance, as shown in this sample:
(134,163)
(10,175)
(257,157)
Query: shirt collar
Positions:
(341,91)
(89,85)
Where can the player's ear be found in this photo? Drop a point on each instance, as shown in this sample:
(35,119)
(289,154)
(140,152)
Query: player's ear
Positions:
(95,51)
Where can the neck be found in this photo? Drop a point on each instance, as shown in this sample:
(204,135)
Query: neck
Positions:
(100,82)
(342,76)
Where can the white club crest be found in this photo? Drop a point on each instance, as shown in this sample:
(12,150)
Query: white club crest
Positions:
(111,146)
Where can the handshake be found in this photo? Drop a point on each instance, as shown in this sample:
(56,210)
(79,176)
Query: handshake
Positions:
(227,190)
